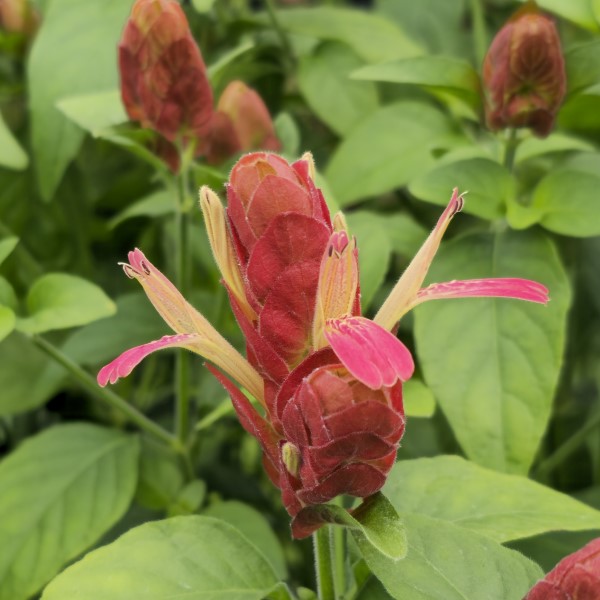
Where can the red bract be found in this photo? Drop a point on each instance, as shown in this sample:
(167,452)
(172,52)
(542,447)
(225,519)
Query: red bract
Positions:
(241,123)
(18,16)
(524,74)
(576,577)
(329,380)
(164,84)
(250,117)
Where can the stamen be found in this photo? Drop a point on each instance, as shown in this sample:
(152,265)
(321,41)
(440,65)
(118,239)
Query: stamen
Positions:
(129,270)
(145,267)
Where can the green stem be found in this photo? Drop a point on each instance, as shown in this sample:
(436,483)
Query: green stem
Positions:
(285,42)
(106,395)
(182,392)
(480,41)
(339,553)
(324,563)
(214,415)
(510,149)
(568,447)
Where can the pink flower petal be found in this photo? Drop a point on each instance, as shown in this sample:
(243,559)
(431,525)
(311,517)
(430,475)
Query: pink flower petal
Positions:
(405,291)
(372,354)
(126,362)
(520,289)
(165,297)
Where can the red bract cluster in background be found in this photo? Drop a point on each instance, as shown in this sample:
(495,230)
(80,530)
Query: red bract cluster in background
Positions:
(19,17)
(328,380)
(576,577)
(165,87)
(524,74)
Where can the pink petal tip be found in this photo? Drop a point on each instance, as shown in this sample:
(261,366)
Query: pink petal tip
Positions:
(126,362)
(519,289)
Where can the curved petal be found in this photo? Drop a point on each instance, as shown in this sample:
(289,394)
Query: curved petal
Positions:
(372,354)
(126,362)
(405,291)
(509,287)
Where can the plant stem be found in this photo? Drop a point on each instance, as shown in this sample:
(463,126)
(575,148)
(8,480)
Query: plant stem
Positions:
(568,447)
(510,149)
(285,42)
(480,42)
(105,395)
(339,553)
(182,395)
(324,563)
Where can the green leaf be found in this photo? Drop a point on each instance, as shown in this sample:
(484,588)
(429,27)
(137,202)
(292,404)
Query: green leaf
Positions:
(374,523)
(61,490)
(59,301)
(192,557)
(74,53)
(7,322)
(136,141)
(288,134)
(443,73)
(135,322)
(372,37)
(324,81)
(7,294)
(203,6)
(436,24)
(23,381)
(160,476)
(255,527)
(582,63)
(418,399)
(189,499)
(386,150)
(532,147)
(7,245)
(405,234)
(449,562)
(94,112)
(549,549)
(156,204)
(493,364)
(577,11)
(489,184)
(12,155)
(566,202)
(373,590)
(453,489)
(596,10)
(374,251)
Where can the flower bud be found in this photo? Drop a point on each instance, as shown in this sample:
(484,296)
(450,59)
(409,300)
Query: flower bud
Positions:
(576,577)
(250,117)
(18,16)
(524,74)
(263,186)
(164,84)
(344,435)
